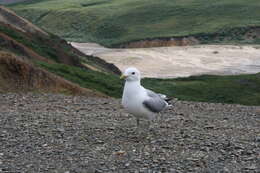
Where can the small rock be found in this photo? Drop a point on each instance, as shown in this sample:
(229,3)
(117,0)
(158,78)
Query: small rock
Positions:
(252,167)
(98,171)
(155,161)
(100,148)
(172,170)
(146,153)
(111,128)
(143,170)
(162,159)
(99,142)
(193,159)
(120,153)
(249,158)
(138,160)
(226,170)
(209,127)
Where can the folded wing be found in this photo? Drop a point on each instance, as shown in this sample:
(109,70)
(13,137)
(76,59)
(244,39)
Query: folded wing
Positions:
(156,102)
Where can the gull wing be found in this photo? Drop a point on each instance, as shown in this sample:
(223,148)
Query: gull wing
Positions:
(155,103)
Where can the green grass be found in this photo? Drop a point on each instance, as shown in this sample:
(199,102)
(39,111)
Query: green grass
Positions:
(34,42)
(102,82)
(112,22)
(241,89)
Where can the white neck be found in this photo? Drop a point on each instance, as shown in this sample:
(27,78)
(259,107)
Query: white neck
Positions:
(132,86)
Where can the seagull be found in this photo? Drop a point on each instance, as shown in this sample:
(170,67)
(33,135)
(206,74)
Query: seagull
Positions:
(138,101)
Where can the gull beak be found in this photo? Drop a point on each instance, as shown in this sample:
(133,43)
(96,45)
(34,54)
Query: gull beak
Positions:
(123,76)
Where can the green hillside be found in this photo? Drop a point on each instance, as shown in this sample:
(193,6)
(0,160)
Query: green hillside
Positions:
(112,22)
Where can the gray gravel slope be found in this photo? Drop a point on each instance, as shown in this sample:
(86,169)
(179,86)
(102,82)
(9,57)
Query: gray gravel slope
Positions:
(66,134)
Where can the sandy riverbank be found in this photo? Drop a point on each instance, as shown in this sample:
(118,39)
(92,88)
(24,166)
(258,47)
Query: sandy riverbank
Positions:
(165,62)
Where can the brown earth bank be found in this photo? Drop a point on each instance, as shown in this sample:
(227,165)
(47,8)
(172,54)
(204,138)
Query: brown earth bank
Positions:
(12,45)
(162,42)
(68,134)
(17,75)
(244,34)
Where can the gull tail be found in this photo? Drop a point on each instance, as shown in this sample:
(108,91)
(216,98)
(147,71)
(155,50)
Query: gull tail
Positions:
(167,99)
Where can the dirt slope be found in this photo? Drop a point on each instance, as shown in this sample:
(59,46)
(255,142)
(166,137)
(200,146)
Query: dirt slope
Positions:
(10,44)
(19,75)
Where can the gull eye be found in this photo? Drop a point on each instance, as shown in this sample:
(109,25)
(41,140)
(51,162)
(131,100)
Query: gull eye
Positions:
(133,73)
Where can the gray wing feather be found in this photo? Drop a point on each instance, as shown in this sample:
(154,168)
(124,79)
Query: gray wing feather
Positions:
(153,94)
(156,103)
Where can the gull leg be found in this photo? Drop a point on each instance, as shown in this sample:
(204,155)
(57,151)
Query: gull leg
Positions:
(137,122)
(138,128)
(149,124)
(150,127)
(160,117)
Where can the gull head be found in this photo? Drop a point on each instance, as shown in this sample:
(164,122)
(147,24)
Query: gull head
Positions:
(131,74)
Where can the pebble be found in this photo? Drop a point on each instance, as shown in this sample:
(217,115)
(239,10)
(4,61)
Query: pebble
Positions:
(138,160)
(252,167)
(120,153)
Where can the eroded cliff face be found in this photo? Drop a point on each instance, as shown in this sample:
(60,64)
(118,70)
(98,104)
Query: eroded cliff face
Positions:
(253,33)
(10,44)
(162,42)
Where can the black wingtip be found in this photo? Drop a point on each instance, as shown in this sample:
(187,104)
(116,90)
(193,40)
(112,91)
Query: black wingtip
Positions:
(167,99)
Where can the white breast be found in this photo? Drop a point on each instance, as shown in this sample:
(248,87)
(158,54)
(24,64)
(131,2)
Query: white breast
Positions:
(132,101)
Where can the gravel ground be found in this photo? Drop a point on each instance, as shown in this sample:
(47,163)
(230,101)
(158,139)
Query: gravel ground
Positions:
(66,134)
